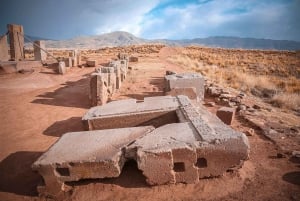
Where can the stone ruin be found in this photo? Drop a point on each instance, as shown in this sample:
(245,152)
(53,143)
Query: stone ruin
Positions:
(172,141)
(189,84)
(106,80)
(12,57)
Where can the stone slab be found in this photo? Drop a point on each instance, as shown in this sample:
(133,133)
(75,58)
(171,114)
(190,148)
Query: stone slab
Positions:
(16,66)
(86,155)
(187,144)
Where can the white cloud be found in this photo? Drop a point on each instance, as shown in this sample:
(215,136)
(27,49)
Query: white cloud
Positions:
(118,15)
(262,19)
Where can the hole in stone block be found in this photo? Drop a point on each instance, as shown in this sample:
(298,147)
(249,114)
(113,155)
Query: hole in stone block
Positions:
(64,172)
(179,167)
(201,163)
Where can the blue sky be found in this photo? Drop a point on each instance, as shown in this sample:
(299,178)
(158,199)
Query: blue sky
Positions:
(172,19)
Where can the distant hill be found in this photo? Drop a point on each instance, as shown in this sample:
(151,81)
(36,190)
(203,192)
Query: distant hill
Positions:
(118,38)
(121,38)
(34,38)
(244,43)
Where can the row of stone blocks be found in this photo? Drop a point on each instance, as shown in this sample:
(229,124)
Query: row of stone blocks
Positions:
(106,80)
(171,140)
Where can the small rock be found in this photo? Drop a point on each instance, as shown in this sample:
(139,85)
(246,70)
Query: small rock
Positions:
(280,155)
(251,109)
(231,104)
(210,104)
(296,154)
(250,132)
(241,108)
(168,72)
(255,106)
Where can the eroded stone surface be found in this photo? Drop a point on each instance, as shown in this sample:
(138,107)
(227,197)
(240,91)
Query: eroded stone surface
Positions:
(38,50)
(129,112)
(186,82)
(187,144)
(84,155)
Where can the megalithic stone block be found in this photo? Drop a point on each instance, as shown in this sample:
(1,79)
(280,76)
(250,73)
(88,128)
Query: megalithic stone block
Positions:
(16,41)
(85,155)
(98,90)
(187,144)
(39,54)
(3,48)
(185,80)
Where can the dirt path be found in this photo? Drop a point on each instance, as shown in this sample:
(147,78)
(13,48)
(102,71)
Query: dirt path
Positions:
(34,116)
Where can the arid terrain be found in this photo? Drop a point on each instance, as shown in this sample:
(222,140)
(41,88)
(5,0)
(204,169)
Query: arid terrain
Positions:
(36,108)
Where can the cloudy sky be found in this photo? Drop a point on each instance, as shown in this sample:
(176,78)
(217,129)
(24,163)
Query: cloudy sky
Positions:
(172,19)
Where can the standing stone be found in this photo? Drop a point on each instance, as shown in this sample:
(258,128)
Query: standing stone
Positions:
(3,48)
(16,40)
(68,62)
(98,90)
(61,67)
(39,54)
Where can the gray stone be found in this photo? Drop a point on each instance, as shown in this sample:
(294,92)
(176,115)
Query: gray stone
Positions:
(186,80)
(16,41)
(3,48)
(39,54)
(61,67)
(85,155)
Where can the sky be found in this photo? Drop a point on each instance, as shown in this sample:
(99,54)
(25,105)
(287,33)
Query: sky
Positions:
(155,19)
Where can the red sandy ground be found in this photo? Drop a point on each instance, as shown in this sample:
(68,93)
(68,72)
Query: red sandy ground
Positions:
(37,108)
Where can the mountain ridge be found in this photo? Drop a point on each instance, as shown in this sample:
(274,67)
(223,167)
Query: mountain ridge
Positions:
(121,38)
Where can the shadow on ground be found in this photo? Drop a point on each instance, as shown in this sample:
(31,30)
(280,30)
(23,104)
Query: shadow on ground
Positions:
(16,175)
(71,94)
(59,128)
(131,177)
(292,177)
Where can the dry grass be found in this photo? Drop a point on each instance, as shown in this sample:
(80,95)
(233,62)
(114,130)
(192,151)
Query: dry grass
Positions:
(280,87)
(287,100)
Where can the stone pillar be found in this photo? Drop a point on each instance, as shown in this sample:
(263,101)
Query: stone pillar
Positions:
(16,41)
(3,48)
(39,54)
(78,56)
(118,76)
(98,90)
(73,55)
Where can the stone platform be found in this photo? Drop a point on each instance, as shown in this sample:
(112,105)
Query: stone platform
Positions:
(176,142)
